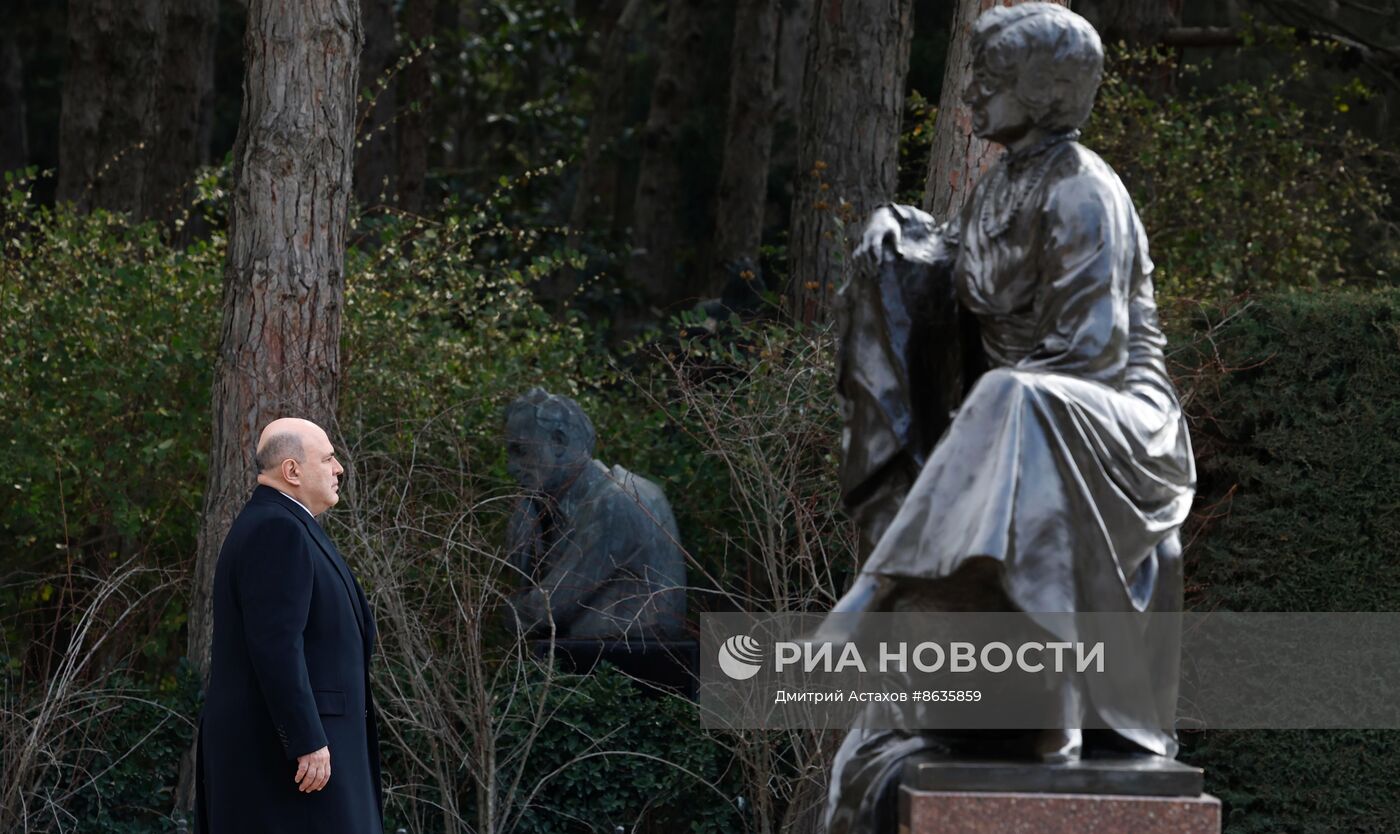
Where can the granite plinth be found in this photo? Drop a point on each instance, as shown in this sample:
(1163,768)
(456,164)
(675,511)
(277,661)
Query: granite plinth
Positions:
(1118,776)
(990,812)
(657,666)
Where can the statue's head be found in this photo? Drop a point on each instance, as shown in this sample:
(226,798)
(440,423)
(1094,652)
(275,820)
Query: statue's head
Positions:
(548,440)
(1034,65)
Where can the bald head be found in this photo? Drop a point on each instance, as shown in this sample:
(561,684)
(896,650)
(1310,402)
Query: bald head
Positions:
(296,457)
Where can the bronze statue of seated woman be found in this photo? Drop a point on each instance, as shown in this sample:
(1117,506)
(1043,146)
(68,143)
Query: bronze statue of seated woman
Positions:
(1013,441)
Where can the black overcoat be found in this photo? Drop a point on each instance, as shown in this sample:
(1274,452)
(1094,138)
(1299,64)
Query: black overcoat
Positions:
(293,634)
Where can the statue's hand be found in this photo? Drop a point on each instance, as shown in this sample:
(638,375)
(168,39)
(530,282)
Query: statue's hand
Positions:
(882,233)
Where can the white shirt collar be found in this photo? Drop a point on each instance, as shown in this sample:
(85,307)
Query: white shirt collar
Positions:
(299,504)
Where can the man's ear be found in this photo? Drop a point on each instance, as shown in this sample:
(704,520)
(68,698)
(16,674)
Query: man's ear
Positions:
(291,472)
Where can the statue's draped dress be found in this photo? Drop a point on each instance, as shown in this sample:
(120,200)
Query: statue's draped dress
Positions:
(1068,462)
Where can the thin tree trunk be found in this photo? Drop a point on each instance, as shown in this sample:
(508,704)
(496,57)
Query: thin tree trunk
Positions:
(375,146)
(658,227)
(284,284)
(595,200)
(848,141)
(14,135)
(957,158)
(183,107)
(109,93)
(595,203)
(417,91)
(461,124)
(748,138)
(794,26)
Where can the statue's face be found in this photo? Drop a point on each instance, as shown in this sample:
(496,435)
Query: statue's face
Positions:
(997,114)
(537,457)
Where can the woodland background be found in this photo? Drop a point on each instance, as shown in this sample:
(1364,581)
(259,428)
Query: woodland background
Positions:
(645,204)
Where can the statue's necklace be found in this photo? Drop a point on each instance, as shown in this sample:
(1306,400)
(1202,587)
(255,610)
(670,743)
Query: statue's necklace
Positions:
(1012,182)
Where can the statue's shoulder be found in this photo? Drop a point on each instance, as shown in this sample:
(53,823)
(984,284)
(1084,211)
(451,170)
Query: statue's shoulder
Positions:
(638,493)
(1079,180)
(635,485)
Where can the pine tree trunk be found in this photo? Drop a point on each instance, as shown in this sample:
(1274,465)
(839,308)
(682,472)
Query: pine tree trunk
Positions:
(848,139)
(109,93)
(595,203)
(279,349)
(957,158)
(375,147)
(658,227)
(416,91)
(794,25)
(461,124)
(183,107)
(14,136)
(595,199)
(748,137)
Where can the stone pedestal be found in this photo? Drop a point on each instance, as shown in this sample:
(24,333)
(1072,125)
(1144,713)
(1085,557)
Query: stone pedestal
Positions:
(1127,796)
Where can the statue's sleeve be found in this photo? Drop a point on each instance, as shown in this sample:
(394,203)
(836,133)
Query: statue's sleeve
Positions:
(522,537)
(1082,303)
(584,557)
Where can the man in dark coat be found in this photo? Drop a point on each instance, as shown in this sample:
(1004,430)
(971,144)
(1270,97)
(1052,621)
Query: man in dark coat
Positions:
(288,694)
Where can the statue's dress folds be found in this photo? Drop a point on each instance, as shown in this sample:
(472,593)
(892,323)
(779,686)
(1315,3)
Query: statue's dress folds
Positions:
(1068,460)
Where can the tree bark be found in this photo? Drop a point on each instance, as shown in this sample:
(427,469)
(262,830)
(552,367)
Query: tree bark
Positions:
(14,136)
(183,119)
(1134,21)
(957,158)
(109,92)
(595,199)
(794,27)
(284,284)
(417,91)
(748,137)
(658,227)
(848,140)
(375,146)
(595,204)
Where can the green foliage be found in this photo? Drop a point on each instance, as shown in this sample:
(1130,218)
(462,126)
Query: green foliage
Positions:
(611,757)
(915,145)
(1240,188)
(749,429)
(129,778)
(105,342)
(1294,404)
(510,93)
(1300,781)
(441,324)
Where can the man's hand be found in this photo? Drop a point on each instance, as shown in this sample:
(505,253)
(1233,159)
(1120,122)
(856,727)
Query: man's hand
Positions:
(313,770)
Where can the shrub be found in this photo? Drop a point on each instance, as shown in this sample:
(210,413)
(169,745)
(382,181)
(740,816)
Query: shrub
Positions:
(1240,188)
(1294,406)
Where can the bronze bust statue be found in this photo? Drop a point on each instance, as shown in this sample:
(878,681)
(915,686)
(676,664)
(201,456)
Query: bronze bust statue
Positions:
(1013,441)
(596,548)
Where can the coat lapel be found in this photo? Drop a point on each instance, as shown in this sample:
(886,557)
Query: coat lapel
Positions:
(328,548)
